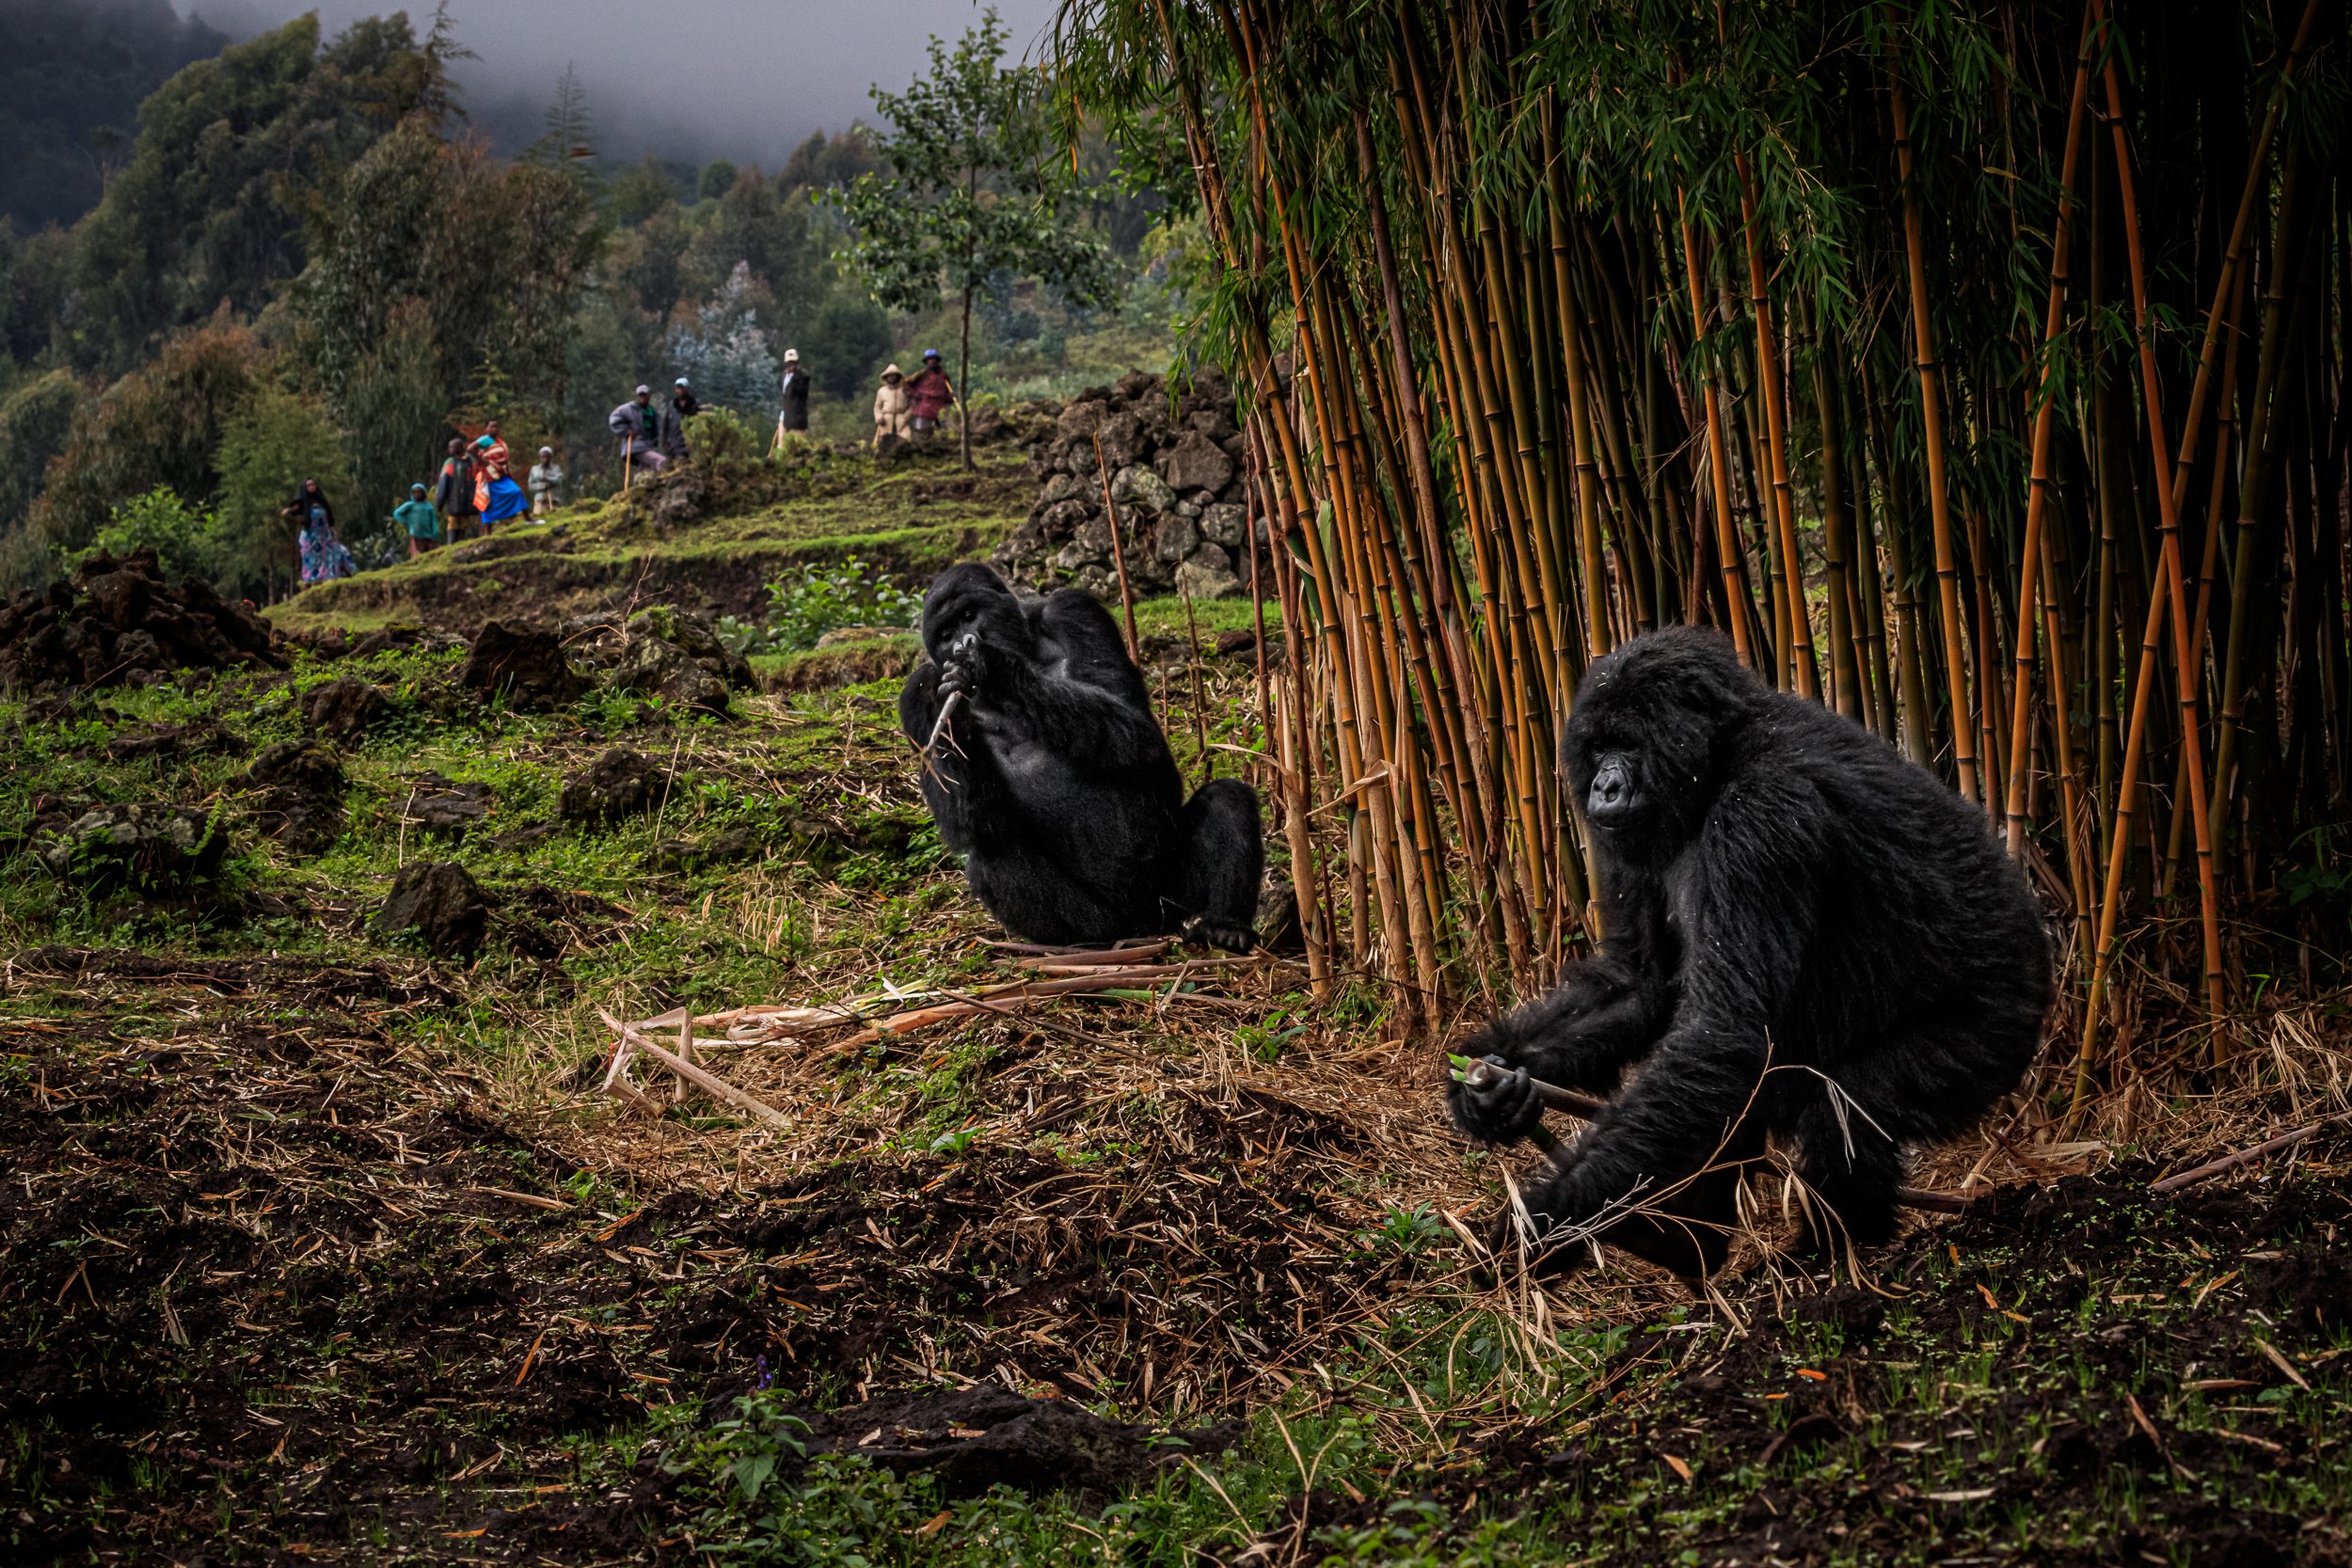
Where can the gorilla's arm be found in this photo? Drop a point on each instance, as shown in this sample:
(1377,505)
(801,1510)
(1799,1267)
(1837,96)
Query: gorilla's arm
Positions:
(961,781)
(1750,918)
(1088,704)
(1606,1011)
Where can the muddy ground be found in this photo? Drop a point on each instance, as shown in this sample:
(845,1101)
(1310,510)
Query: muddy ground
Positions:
(282,1287)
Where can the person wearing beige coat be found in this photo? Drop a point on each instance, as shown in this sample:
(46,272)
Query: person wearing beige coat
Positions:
(891,404)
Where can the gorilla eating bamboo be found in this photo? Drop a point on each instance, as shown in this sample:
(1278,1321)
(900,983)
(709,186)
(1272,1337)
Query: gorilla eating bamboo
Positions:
(1046,769)
(1804,938)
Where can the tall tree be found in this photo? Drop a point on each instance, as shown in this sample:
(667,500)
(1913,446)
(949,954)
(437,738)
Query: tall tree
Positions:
(570,142)
(230,153)
(972,193)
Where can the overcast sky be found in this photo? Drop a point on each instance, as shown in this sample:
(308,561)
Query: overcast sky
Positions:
(743,79)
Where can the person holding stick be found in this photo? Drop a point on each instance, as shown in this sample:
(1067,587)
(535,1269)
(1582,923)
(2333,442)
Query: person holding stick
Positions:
(639,427)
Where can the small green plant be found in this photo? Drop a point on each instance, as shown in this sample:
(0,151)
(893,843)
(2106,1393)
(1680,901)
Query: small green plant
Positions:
(956,1142)
(833,1513)
(1265,1038)
(1404,1230)
(821,599)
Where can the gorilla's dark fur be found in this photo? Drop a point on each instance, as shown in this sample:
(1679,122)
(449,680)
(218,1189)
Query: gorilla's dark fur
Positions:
(1779,889)
(1054,782)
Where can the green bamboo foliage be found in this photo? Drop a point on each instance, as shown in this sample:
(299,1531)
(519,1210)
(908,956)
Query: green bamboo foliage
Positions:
(1978,370)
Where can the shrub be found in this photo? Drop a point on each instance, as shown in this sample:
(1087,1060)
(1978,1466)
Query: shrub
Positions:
(186,541)
(826,599)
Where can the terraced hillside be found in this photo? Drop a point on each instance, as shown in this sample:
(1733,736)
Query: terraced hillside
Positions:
(708,544)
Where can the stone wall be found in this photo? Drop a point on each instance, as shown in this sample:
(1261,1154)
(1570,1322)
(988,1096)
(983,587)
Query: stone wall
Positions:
(1175,481)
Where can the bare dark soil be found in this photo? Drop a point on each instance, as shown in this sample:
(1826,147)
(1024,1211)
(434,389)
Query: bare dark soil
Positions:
(2121,1406)
(275,1278)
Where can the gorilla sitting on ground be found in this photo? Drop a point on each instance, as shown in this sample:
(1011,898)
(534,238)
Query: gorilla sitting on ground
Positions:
(1803,936)
(1053,780)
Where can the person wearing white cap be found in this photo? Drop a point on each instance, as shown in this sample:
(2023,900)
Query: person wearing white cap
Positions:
(792,415)
(547,477)
(680,408)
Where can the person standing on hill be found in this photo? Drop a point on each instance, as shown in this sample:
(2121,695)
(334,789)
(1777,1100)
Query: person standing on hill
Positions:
(323,557)
(639,427)
(792,413)
(546,478)
(929,394)
(496,495)
(453,491)
(423,524)
(681,407)
(890,408)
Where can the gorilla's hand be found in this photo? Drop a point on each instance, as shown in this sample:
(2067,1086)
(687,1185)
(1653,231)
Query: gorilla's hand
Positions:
(966,667)
(1503,1112)
(1202,931)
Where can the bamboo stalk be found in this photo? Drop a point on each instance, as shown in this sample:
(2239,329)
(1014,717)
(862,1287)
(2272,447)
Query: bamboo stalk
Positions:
(1931,421)
(2044,427)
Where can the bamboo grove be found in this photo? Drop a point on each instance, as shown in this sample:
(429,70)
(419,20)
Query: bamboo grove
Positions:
(1978,369)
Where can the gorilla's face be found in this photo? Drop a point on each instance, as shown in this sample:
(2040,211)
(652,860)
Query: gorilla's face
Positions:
(1640,750)
(970,610)
(1615,797)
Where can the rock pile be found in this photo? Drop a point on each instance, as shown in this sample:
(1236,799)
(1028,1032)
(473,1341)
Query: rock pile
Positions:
(297,790)
(1175,481)
(619,784)
(664,652)
(524,665)
(118,622)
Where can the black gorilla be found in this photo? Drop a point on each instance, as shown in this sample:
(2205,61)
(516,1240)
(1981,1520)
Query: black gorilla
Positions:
(1780,890)
(1053,781)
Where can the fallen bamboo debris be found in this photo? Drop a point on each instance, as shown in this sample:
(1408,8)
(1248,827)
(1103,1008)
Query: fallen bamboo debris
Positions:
(633,1040)
(2211,1169)
(1082,958)
(533,1199)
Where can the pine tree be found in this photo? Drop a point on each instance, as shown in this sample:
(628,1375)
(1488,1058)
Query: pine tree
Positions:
(570,142)
(723,353)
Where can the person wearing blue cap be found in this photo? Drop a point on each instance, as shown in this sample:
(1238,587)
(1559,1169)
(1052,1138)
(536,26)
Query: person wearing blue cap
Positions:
(928,393)
(422,523)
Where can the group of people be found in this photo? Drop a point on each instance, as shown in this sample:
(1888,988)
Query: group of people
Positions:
(475,489)
(911,406)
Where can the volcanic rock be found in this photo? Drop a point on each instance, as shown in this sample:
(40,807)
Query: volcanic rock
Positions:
(619,784)
(298,790)
(442,903)
(523,664)
(118,622)
(341,709)
(157,849)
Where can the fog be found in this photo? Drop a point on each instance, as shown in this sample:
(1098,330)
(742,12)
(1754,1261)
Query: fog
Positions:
(741,79)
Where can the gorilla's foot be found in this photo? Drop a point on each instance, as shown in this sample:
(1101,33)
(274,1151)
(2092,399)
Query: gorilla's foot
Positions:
(1205,932)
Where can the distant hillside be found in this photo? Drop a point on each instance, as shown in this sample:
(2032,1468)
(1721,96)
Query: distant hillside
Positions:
(72,78)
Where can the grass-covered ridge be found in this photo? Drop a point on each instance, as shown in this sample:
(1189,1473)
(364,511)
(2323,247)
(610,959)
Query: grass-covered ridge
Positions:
(715,545)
